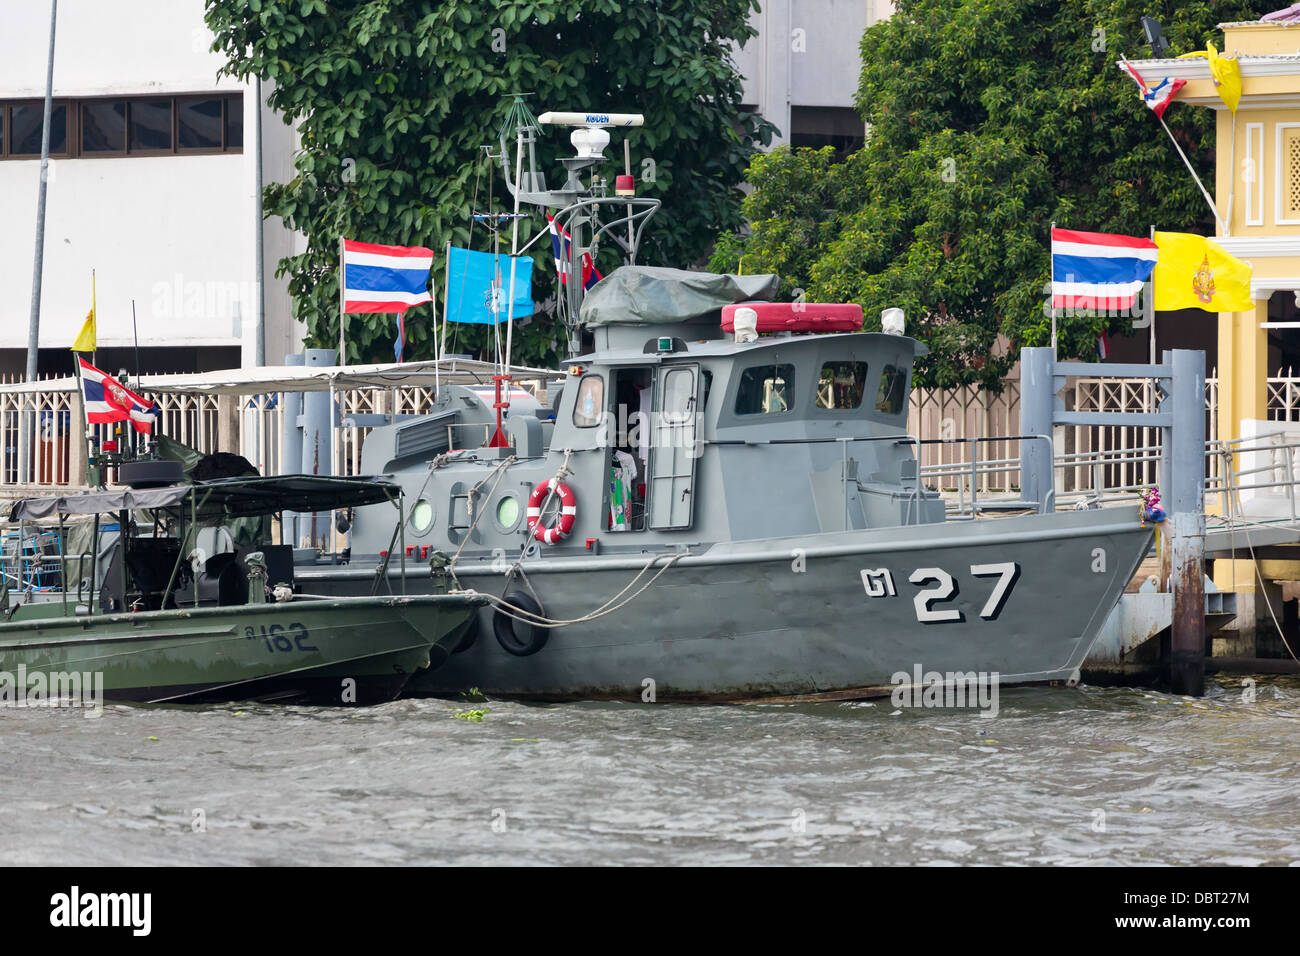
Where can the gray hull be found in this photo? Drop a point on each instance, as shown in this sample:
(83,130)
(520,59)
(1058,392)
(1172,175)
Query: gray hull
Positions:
(793,617)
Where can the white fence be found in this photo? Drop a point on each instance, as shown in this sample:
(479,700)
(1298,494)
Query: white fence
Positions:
(1089,457)
(38,451)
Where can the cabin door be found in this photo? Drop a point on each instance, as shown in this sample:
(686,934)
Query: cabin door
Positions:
(673,453)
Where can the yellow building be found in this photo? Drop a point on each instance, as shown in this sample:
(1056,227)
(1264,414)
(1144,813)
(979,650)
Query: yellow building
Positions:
(1257,192)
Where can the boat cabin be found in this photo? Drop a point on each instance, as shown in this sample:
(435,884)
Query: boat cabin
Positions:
(671,431)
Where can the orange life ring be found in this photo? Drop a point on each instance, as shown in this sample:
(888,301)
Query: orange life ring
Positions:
(568,512)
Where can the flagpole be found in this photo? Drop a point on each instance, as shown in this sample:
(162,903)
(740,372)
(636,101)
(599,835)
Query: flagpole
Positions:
(1186,162)
(1052,290)
(1232,179)
(343,300)
(1149,307)
(85,422)
(514,251)
(446,299)
(94,353)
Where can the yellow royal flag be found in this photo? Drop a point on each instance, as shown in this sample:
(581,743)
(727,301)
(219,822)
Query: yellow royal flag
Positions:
(1226,73)
(1227,77)
(85,341)
(1193,272)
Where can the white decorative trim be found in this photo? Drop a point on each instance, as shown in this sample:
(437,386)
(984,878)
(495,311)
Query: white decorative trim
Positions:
(1261,287)
(1279,172)
(1254,174)
(1260,247)
(1198,68)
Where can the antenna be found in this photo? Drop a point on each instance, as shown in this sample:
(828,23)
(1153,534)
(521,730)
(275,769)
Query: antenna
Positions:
(576,227)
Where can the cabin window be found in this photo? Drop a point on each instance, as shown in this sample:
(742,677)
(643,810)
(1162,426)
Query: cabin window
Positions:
(893,390)
(508,512)
(422,516)
(589,409)
(841,385)
(765,390)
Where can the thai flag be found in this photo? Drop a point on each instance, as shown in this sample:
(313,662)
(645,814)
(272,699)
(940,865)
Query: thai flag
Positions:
(108,400)
(1099,271)
(385,278)
(1103,347)
(1158,97)
(560,250)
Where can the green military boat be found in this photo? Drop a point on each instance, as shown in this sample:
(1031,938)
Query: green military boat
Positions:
(157,619)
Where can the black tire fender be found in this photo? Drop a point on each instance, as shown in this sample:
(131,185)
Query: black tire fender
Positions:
(517,637)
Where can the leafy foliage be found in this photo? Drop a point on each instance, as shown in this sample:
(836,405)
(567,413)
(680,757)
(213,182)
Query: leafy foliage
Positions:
(988,120)
(394,98)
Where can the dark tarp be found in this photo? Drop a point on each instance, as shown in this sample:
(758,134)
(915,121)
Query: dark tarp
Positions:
(653,295)
(200,467)
(228,497)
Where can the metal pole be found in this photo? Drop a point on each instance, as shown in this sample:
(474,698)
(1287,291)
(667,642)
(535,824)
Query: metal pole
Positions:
(27,429)
(514,251)
(1037,405)
(343,302)
(38,262)
(1149,305)
(1052,293)
(259,261)
(1184,478)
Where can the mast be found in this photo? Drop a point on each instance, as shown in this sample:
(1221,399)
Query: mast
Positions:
(577,204)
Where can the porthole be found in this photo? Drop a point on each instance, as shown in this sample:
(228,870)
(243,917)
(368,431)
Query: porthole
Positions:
(508,512)
(422,516)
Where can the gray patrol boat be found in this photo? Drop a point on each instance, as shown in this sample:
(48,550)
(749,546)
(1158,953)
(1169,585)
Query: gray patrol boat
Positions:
(697,511)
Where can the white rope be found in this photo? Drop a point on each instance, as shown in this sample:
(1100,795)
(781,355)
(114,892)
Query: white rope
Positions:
(499,471)
(609,607)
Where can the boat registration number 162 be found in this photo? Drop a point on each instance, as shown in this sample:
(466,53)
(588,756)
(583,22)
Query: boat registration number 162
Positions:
(281,638)
(879,583)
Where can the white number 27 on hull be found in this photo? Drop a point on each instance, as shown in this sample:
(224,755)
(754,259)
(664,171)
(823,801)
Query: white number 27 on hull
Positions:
(880,583)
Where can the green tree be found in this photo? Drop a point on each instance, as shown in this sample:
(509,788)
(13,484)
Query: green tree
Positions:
(394,98)
(988,120)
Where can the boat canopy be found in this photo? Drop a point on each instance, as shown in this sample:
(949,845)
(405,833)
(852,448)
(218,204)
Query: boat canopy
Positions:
(653,295)
(223,498)
(298,378)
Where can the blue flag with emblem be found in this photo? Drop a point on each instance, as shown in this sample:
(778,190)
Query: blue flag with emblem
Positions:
(479,282)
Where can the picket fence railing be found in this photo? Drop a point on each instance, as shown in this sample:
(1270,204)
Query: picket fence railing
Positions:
(37,451)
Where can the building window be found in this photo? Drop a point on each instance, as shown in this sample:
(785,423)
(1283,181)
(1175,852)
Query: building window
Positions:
(765,390)
(818,126)
(841,385)
(151,126)
(125,126)
(22,123)
(199,123)
(103,126)
(1287,175)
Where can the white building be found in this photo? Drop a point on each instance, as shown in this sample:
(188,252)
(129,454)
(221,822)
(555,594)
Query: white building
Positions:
(801,70)
(152,184)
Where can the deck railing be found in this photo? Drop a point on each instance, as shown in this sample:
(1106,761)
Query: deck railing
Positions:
(37,450)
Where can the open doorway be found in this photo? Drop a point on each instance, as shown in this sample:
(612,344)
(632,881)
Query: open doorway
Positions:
(632,399)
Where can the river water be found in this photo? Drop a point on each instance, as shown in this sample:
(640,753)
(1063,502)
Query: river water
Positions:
(1090,775)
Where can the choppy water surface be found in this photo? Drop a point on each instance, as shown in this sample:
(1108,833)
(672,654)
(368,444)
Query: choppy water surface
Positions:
(1179,781)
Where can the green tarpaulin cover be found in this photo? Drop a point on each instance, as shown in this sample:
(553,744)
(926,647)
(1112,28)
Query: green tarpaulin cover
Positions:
(653,295)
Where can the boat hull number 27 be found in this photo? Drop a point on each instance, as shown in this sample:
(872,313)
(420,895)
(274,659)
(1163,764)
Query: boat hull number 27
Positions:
(943,588)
